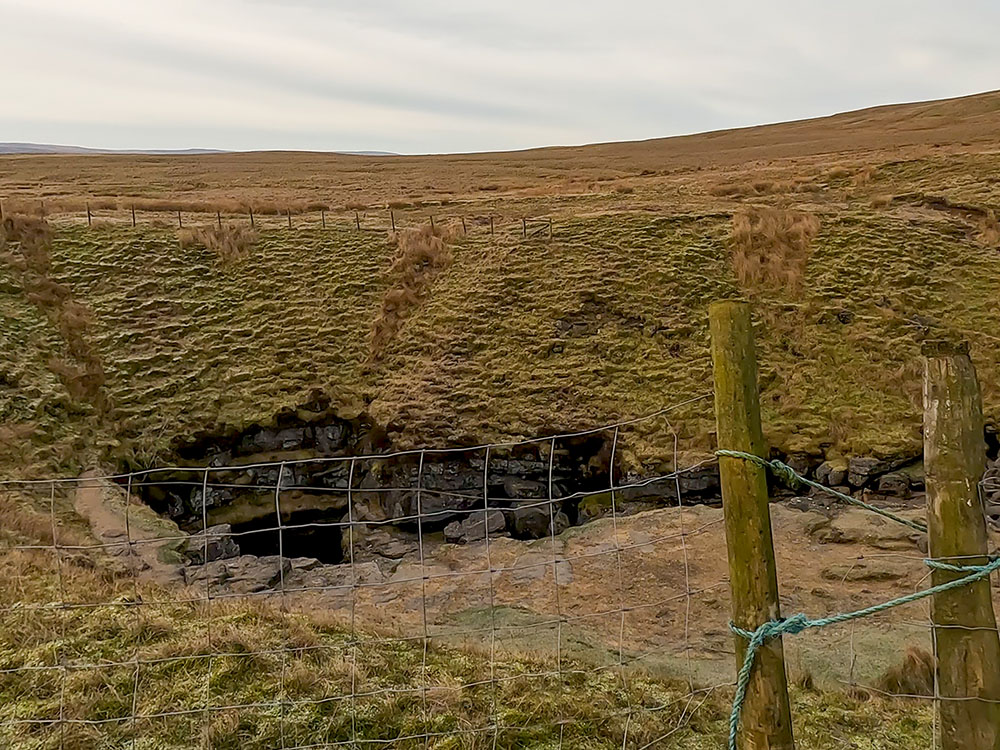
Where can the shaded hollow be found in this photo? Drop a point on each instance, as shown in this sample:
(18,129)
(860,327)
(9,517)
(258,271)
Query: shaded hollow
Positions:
(303,534)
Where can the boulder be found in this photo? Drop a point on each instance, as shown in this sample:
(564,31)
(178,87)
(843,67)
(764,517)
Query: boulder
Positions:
(832,473)
(245,574)
(379,541)
(220,545)
(862,469)
(895,483)
(859,526)
(475,527)
(532,521)
(801,463)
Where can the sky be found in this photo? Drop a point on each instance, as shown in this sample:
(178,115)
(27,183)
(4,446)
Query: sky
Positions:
(430,76)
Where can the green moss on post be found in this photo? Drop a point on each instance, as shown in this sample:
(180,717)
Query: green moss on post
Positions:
(766,717)
(968,649)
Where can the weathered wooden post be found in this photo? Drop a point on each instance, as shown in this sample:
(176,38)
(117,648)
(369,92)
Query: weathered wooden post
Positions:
(322,217)
(765,722)
(357,221)
(968,648)
(432,222)
(524,227)
(491,225)
(251,217)
(180,224)
(88,215)
(218,218)
(392,218)
(464,229)
(133,214)
(289,212)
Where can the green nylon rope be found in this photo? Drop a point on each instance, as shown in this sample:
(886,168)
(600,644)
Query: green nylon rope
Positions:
(794,479)
(797,623)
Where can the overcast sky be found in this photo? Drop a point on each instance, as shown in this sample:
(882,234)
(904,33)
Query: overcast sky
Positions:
(418,76)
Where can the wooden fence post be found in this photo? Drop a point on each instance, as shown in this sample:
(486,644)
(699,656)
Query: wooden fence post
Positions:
(766,716)
(357,221)
(322,217)
(432,222)
(88,215)
(392,218)
(491,225)
(524,227)
(133,215)
(218,218)
(289,212)
(251,218)
(464,230)
(180,224)
(968,648)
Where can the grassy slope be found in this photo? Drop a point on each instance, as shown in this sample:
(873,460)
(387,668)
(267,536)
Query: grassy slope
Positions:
(517,337)
(251,657)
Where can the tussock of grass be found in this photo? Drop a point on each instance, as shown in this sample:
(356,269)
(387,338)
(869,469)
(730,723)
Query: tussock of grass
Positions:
(231,243)
(421,255)
(770,247)
(914,676)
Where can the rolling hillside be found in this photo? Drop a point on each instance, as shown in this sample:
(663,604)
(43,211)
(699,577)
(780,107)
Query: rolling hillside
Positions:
(516,336)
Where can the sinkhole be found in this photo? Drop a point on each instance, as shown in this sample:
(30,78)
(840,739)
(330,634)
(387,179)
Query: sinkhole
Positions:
(306,533)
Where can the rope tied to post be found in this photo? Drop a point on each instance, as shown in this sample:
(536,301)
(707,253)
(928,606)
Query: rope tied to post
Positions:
(797,623)
(795,480)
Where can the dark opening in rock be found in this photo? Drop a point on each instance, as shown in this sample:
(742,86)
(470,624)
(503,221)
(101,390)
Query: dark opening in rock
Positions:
(303,534)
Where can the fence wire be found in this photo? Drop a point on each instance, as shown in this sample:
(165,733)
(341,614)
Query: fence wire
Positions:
(484,645)
(494,643)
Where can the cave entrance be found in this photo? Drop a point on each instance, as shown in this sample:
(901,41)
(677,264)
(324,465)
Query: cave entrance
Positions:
(306,533)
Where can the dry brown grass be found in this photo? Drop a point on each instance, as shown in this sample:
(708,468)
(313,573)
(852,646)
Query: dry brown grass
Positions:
(914,676)
(988,230)
(274,182)
(230,243)
(770,247)
(421,255)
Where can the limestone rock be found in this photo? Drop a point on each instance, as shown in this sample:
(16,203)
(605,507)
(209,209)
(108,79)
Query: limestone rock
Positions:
(533,521)
(862,469)
(220,545)
(380,541)
(474,528)
(245,574)
(832,473)
(856,525)
(895,483)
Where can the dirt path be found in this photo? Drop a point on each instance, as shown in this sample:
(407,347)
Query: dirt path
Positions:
(115,522)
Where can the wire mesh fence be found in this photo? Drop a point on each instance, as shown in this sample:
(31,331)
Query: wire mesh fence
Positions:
(111,641)
(119,628)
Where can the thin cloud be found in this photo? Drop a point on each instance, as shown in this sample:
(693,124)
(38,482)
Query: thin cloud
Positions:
(450,76)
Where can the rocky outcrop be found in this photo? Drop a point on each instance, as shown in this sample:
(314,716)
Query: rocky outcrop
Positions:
(245,574)
(215,543)
(475,528)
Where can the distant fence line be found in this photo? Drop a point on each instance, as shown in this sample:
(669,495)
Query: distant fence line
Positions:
(361,218)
